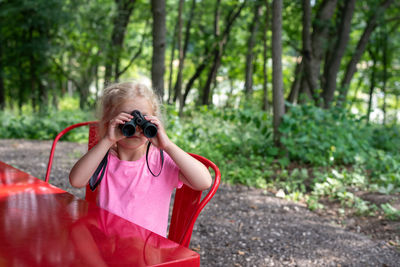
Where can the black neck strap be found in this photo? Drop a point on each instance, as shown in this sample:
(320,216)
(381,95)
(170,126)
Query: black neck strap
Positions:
(101,169)
(147,160)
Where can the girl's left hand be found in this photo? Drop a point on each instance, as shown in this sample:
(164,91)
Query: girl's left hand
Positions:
(161,140)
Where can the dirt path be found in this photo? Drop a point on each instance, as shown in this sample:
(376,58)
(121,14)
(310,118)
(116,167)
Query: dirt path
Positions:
(241,226)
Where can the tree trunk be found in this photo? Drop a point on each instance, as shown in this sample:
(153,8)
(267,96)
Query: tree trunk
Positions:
(248,84)
(43,97)
(210,53)
(304,93)
(2,89)
(82,84)
(314,48)
(360,80)
(118,72)
(307,53)
(396,114)
(265,105)
(54,93)
(211,77)
(171,64)
(277,80)
(212,73)
(333,64)
(385,71)
(32,73)
(200,68)
(228,103)
(219,48)
(372,84)
(361,45)
(298,77)
(120,23)
(21,87)
(83,87)
(178,84)
(320,40)
(158,58)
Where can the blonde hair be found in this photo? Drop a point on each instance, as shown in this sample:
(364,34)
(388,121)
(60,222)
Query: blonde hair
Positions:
(116,94)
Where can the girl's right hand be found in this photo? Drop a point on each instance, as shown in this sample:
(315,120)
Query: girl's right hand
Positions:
(114,133)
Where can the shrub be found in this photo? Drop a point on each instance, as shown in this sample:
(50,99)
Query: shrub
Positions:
(43,126)
(323,137)
(238,141)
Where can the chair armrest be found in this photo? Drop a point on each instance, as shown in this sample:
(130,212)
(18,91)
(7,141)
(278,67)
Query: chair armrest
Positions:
(53,147)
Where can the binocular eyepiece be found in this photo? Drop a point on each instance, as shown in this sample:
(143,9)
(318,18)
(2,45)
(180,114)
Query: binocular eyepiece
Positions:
(129,128)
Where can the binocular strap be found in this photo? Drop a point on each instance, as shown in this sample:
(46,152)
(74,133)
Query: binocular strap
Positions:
(147,160)
(101,169)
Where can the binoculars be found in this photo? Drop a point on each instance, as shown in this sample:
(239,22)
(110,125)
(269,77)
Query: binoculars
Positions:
(129,128)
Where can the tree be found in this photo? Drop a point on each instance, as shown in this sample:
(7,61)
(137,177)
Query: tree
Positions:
(307,51)
(219,46)
(248,84)
(82,54)
(26,44)
(159,43)
(351,67)
(332,64)
(2,90)
(373,55)
(182,56)
(277,81)
(120,23)
(222,48)
(265,105)
(178,84)
(307,79)
(171,64)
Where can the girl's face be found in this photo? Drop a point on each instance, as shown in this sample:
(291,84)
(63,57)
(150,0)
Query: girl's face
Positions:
(144,106)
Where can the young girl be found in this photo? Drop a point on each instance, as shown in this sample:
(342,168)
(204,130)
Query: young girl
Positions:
(128,188)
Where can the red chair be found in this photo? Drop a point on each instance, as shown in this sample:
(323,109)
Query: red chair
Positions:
(188,203)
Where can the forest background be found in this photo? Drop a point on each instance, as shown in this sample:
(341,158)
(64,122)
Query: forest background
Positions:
(298,97)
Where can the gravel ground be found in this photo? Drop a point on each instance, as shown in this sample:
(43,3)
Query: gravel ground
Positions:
(241,226)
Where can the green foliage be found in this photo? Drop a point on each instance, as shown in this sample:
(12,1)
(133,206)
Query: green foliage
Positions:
(384,171)
(238,141)
(355,156)
(44,126)
(27,36)
(327,155)
(319,137)
(390,212)
(386,137)
(338,186)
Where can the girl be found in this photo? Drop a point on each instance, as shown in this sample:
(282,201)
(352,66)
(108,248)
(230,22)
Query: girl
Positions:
(128,188)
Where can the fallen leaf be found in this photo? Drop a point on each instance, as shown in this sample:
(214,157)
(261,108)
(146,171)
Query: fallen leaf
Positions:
(241,253)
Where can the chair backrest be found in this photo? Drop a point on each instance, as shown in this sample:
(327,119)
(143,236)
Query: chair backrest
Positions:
(57,138)
(188,203)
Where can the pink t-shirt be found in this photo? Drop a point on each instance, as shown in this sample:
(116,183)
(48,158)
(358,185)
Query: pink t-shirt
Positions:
(129,190)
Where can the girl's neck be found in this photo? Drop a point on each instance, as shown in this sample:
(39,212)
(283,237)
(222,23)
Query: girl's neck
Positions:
(129,154)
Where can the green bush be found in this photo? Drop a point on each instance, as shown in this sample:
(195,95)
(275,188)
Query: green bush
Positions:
(323,137)
(43,126)
(386,137)
(327,153)
(238,141)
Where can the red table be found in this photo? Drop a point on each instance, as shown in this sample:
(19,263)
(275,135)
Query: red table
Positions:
(42,225)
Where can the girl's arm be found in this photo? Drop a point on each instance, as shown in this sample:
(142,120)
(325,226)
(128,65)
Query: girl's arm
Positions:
(86,166)
(192,172)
